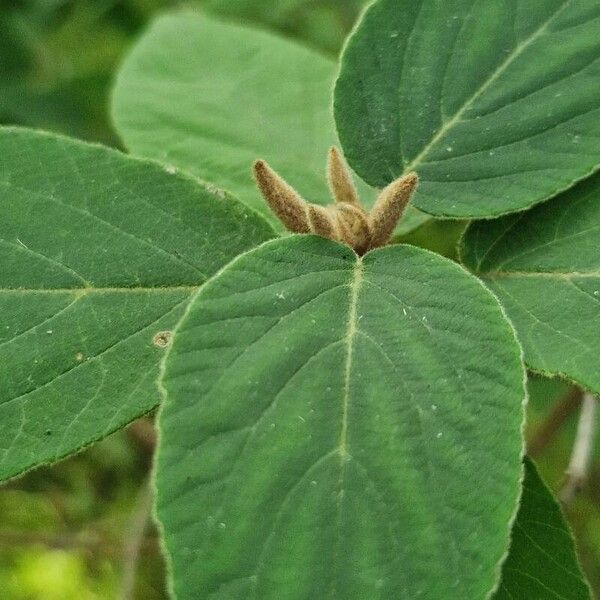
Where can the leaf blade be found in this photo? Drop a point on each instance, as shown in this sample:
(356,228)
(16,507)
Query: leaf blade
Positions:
(294,143)
(544,265)
(542,561)
(99,253)
(489,125)
(323,26)
(270,386)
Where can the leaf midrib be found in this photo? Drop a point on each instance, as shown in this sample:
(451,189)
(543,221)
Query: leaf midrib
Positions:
(447,125)
(342,447)
(351,331)
(84,291)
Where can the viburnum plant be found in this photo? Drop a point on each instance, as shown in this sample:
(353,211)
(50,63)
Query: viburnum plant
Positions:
(342,416)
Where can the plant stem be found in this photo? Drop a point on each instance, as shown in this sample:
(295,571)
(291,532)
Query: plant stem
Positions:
(577,471)
(133,541)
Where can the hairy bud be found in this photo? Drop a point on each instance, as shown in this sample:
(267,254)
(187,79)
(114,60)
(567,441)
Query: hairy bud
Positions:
(345,221)
(389,207)
(282,198)
(340,182)
(354,226)
(322,222)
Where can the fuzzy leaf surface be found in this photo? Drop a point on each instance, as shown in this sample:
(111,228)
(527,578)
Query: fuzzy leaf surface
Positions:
(212,97)
(98,252)
(544,265)
(336,427)
(541,563)
(494,103)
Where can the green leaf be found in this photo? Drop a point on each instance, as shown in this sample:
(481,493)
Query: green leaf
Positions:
(211,98)
(544,265)
(541,562)
(99,253)
(337,427)
(322,24)
(494,103)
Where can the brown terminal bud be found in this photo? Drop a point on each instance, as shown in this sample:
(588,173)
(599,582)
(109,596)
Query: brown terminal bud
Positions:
(346,220)
(323,222)
(340,180)
(388,208)
(282,198)
(354,226)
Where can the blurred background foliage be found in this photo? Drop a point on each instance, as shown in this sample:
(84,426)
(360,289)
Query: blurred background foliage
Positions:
(81,529)
(57,57)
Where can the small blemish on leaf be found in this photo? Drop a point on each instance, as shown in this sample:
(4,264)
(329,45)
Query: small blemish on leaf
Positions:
(162,339)
(213,189)
(79,356)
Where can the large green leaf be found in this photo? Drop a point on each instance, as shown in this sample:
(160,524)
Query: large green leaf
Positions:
(211,98)
(544,265)
(99,253)
(337,427)
(541,563)
(494,103)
